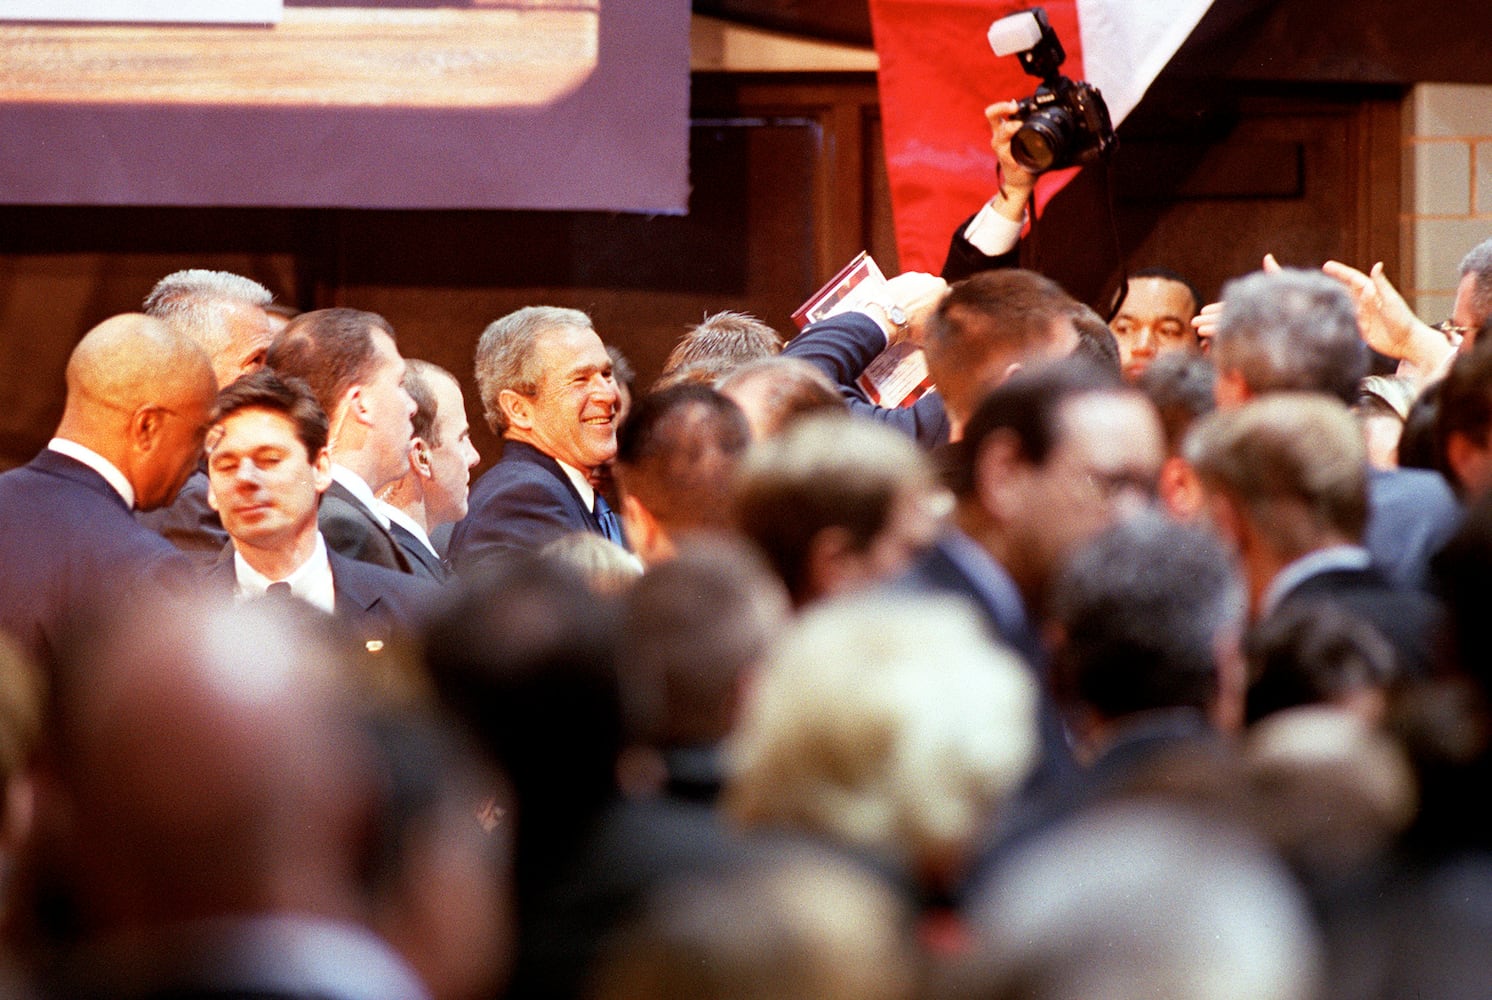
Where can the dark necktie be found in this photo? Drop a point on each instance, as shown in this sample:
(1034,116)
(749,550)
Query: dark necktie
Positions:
(611,526)
(279,590)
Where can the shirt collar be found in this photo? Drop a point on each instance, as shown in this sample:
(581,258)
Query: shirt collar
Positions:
(409,524)
(358,487)
(311,581)
(1333,557)
(582,485)
(97,463)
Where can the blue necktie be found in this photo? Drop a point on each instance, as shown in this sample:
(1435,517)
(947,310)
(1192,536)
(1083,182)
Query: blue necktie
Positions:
(611,526)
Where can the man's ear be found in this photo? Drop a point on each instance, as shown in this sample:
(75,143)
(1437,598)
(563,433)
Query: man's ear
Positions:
(321,471)
(145,428)
(419,458)
(1180,489)
(998,471)
(517,408)
(356,405)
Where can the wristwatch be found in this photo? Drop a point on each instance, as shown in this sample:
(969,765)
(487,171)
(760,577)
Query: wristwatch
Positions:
(896,314)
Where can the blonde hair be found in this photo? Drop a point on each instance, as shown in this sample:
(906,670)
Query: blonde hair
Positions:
(892,724)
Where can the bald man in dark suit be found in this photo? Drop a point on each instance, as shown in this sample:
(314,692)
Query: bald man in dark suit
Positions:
(138,397)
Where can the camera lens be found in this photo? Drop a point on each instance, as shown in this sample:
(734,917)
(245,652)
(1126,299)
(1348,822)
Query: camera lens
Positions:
(1042,141)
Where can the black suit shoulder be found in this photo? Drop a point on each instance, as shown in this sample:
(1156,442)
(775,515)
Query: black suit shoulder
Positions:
(69,541)
(351,529)
(522,503)
(422,562)
(1408,618)
(378,602)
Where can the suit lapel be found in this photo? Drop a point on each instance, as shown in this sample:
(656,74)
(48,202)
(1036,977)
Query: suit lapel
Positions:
(346,496)
(422,561)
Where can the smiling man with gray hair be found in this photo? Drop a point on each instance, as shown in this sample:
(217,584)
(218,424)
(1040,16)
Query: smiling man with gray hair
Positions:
(548,389)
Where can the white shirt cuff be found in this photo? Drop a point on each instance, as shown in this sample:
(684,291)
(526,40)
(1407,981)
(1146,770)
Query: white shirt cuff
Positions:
(991,233)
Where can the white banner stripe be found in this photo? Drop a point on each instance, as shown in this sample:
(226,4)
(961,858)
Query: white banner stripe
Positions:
(1126,43)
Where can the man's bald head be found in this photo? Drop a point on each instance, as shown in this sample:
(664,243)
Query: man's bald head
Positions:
(138,394)
(128,360)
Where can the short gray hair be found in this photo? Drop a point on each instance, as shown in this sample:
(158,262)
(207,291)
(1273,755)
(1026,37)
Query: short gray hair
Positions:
(195,303)
(1478,261)
(1143,608)
(1293,329)
(506,358)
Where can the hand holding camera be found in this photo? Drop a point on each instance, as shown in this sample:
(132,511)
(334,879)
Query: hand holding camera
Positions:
(1016,181)
(1065,121)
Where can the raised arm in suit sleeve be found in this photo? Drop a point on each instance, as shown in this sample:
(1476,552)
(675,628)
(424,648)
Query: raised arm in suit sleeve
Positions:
(841,347)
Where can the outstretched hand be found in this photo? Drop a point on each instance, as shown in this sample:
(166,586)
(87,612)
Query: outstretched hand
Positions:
(1383,317)
(1388,325)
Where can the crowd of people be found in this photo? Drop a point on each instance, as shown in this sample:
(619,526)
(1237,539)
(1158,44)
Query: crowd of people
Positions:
(1138,659)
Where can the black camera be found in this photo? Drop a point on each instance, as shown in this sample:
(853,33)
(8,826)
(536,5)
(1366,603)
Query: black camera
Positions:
(1065,121)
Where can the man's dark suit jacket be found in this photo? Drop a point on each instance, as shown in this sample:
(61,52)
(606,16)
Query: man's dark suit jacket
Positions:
(66,539)
(374,603)
(422,562)
(1412,513)
(353,530)
(1409,619)
(189,522)
(522,503)
(841,347)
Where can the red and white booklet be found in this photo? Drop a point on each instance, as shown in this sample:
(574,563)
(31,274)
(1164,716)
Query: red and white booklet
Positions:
(898,375)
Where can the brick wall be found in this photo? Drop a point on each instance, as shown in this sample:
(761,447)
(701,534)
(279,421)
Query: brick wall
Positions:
(1447,190)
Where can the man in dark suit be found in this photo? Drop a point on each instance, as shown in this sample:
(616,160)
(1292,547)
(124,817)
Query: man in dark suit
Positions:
(548,389)
(1049,459)
(433,490)
(138,397)
(1296,331)
(350,361)
(1284,481)
(268,466)
(225,314)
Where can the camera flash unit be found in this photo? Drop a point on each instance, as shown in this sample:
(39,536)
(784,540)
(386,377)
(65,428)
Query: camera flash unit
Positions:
(1015,33)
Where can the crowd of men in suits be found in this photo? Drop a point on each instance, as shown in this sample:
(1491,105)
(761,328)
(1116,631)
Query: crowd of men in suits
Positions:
(1119,664)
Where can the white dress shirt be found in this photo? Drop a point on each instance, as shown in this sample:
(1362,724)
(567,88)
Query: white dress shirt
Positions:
(97,463)
(991,233)
(311,581)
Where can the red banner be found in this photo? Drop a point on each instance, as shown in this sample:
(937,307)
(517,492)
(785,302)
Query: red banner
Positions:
(937,76)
